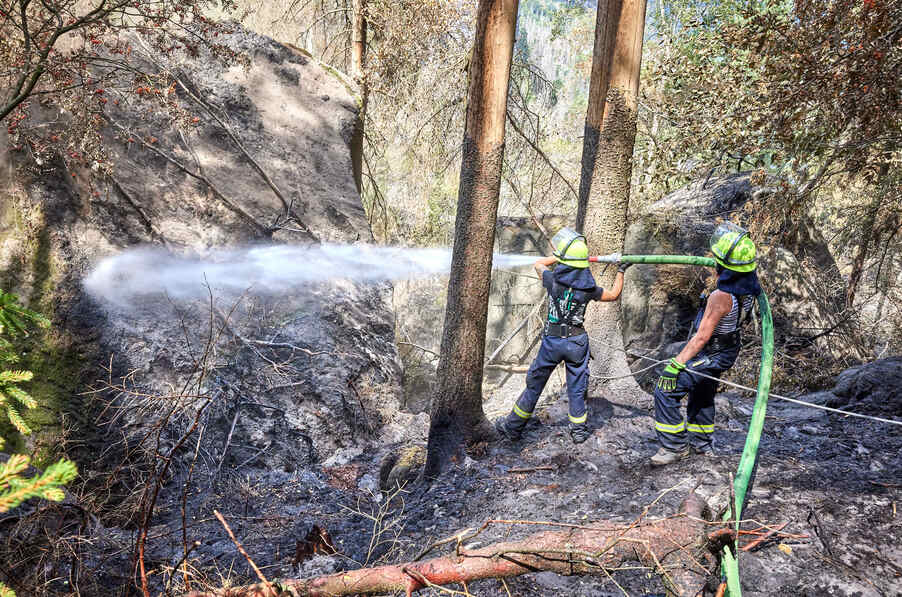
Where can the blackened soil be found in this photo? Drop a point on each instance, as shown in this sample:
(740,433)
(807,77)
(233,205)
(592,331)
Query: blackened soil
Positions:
(836,480)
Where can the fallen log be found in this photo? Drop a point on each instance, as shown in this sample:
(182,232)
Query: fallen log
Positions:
(681,549)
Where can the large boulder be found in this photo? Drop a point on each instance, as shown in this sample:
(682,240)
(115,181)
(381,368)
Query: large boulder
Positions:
(191,192)
(515,293)
(660,302)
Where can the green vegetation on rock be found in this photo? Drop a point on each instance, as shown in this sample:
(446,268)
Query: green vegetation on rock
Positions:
(49,356)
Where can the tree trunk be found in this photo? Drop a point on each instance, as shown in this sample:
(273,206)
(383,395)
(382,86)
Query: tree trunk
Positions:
(604,187)
(358,63)
(681,549)
(457,415)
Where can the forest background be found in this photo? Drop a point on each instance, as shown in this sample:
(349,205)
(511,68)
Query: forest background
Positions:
(804,94)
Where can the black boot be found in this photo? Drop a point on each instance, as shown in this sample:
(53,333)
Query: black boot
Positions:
(506,430)
(579,433)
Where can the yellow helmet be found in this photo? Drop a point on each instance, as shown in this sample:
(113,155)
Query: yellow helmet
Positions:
(732,248)
(570,248)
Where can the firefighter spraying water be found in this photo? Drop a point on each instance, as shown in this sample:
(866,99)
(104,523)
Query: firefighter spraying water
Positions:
(571,287)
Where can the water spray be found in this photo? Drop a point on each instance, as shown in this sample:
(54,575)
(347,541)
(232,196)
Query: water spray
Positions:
(269,269)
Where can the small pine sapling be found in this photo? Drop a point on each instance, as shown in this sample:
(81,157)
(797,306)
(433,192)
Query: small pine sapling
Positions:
(14,487)
(14,322)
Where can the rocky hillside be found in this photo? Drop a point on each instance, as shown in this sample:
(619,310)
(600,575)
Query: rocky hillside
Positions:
(273,383)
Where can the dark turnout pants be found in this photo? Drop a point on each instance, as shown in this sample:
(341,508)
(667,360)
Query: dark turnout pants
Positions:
(697,428)
(574,352)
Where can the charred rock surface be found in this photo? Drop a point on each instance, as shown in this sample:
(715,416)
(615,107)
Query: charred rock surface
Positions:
(660,303)
(277,385)
(833,480)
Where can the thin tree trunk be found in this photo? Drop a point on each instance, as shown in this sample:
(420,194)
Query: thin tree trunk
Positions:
(358,65)
(864,245)
(681,549)
(457,415)
(604,189)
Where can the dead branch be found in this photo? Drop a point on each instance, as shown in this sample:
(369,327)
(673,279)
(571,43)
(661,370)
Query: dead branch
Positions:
(508,368)
(766,536)
(541,154)
(241,549)
(511,336)
(259,228)
(676,548)
(145,219)
(531,469)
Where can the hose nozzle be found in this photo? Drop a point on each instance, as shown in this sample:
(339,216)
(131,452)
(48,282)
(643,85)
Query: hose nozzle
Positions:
(612,258)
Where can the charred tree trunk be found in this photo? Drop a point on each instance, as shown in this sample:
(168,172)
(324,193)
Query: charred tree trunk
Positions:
(358,64)
(681,549)
(604,188)
(457,415)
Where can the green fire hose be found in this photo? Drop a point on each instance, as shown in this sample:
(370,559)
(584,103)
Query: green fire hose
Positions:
(748,462)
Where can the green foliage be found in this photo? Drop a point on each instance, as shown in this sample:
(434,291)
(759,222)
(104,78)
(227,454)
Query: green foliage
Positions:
(14,323)
(14,487)
(801,90)
(14,318)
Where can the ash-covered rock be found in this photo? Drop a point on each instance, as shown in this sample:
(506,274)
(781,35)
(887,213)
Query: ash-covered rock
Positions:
(660,302)
(874,387)
(239,399)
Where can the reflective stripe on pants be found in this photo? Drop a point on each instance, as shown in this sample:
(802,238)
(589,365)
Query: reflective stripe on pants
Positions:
(698,428)
(574,353)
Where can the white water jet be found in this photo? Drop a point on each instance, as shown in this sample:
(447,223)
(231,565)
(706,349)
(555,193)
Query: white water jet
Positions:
(149,271)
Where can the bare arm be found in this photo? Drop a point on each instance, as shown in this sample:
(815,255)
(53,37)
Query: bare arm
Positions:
(614,293)
(543,264)
(719,304)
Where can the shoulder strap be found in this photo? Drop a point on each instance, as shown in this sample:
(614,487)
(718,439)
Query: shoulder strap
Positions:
(559,291)
(744,313)
(555,293)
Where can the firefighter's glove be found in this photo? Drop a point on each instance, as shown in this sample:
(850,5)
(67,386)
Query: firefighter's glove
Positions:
(668,380)
(622,266)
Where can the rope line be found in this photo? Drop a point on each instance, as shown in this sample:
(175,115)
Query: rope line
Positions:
(613,377)
(742,387)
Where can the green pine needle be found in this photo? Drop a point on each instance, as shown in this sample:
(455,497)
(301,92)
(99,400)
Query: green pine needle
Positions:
(14,488)
(12,376)
(14,322)
(12,468)
(47,485)
(16,419)
(21,395)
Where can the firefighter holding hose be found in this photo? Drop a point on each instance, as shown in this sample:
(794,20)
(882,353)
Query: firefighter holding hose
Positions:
(570,286)
(712,348)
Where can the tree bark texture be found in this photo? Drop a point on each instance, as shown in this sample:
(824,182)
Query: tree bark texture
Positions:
(604,190)
(681,549)
(457,416)
(358,64)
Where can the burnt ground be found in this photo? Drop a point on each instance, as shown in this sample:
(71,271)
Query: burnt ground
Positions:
(836,479)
